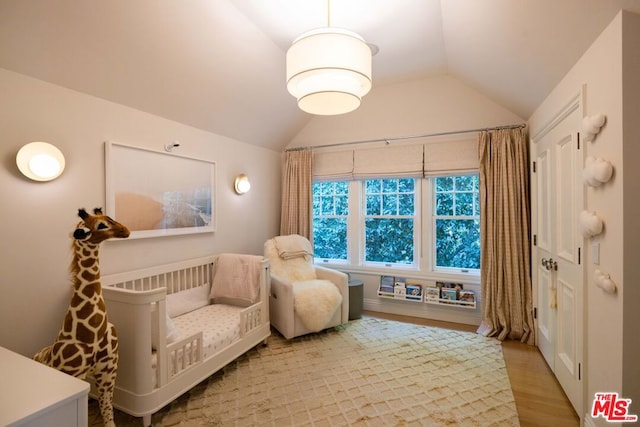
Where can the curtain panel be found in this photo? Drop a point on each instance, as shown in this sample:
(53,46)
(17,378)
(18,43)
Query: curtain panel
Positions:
(505,274)
(296,203)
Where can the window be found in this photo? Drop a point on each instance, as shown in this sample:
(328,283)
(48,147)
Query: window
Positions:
(457,222)
(389,221)
(330,212)
(377,223)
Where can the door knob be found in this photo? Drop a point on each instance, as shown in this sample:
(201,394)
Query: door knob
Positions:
(553,265)
(549,264)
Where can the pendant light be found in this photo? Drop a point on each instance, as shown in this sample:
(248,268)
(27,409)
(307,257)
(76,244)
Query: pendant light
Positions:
(329,70)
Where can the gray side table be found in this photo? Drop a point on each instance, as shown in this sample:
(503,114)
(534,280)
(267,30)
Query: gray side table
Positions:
(356,296)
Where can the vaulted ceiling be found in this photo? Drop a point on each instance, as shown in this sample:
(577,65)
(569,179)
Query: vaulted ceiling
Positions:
(219,65)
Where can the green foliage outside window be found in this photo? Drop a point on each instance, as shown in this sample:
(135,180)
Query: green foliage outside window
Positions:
(389,214)
(389,222)
(330,211)
(389,240)
(330,238)
(457,221)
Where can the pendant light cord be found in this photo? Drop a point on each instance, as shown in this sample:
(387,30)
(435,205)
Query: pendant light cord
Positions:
(328,13)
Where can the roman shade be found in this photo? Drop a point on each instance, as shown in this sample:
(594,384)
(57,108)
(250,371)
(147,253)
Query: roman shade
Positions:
(443,156)
(388,162)
(333,165)
(451,156)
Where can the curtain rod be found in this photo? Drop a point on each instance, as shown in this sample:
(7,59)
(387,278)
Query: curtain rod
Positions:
(399,138)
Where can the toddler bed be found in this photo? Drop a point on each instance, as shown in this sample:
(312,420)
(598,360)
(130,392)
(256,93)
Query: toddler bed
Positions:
(179,323)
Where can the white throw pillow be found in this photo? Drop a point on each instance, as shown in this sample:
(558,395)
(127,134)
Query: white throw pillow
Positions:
(172,332)
(188,300)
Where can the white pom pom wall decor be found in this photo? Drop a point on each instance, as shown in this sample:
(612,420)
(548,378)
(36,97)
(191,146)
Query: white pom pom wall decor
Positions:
(590,224)
(591,126)
(596,171)
(604,282)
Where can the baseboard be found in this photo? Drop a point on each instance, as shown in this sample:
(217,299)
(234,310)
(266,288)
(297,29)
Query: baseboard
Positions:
(443,313)
(588,421)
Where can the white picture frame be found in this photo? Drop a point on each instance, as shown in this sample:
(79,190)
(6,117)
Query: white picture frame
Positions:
(157,193)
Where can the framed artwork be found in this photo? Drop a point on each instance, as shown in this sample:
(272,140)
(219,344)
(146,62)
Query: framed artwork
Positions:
(156,194)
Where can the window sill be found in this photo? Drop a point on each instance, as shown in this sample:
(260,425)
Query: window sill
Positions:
(469,277)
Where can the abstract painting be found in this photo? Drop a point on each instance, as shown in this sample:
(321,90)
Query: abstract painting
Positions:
(158,193)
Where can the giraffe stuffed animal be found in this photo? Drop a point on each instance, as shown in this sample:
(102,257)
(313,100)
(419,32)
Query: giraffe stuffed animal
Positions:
(87,343)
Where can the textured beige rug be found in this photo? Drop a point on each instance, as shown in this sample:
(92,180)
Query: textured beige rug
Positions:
(371,372)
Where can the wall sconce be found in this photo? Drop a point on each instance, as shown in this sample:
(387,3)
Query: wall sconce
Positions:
(40,161)
(169,147)
(242,184)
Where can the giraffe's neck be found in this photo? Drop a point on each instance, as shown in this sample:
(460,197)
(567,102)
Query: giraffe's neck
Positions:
(85,266)
(86,319)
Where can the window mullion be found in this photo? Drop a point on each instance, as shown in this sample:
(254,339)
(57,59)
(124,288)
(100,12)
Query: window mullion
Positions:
(354,228)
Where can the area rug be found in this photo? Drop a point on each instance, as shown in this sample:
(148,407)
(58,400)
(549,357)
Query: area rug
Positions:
(370,372)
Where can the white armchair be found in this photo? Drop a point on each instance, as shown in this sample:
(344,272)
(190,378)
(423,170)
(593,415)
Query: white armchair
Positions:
(304,298)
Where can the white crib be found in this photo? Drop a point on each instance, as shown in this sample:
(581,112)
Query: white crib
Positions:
(153,371)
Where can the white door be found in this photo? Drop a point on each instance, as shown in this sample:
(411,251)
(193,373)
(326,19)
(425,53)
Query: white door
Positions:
(557,198)
(544,283)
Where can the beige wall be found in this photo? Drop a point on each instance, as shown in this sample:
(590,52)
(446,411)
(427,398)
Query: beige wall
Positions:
(631,208)
(427,106)
(38,217)
(609,318)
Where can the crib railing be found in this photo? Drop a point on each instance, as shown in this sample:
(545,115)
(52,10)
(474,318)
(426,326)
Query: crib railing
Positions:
(174,277)
(184,354)
(251,318)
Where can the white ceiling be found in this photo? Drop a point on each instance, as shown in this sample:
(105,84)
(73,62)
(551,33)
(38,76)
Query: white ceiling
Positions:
(219,64)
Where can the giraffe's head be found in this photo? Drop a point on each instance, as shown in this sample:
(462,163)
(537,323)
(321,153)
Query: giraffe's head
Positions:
(98,227)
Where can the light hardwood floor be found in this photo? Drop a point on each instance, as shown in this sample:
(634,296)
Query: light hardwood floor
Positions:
(540,400)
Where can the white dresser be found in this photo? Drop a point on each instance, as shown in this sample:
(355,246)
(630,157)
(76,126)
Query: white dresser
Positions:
(32,394)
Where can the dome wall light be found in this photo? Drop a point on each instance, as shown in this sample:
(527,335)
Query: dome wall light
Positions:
(40,161)
(242,184)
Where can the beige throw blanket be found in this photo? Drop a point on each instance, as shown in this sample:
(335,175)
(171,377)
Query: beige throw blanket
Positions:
(315,302)
(237,277)
(293,246)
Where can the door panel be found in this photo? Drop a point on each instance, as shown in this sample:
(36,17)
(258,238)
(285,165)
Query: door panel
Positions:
(566,327)
(544,179)
(546,333)
(566,198)
(546,316)
(569,273)
(558,275)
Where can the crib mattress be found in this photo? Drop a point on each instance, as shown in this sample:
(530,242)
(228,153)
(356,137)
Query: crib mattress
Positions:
(219,323)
